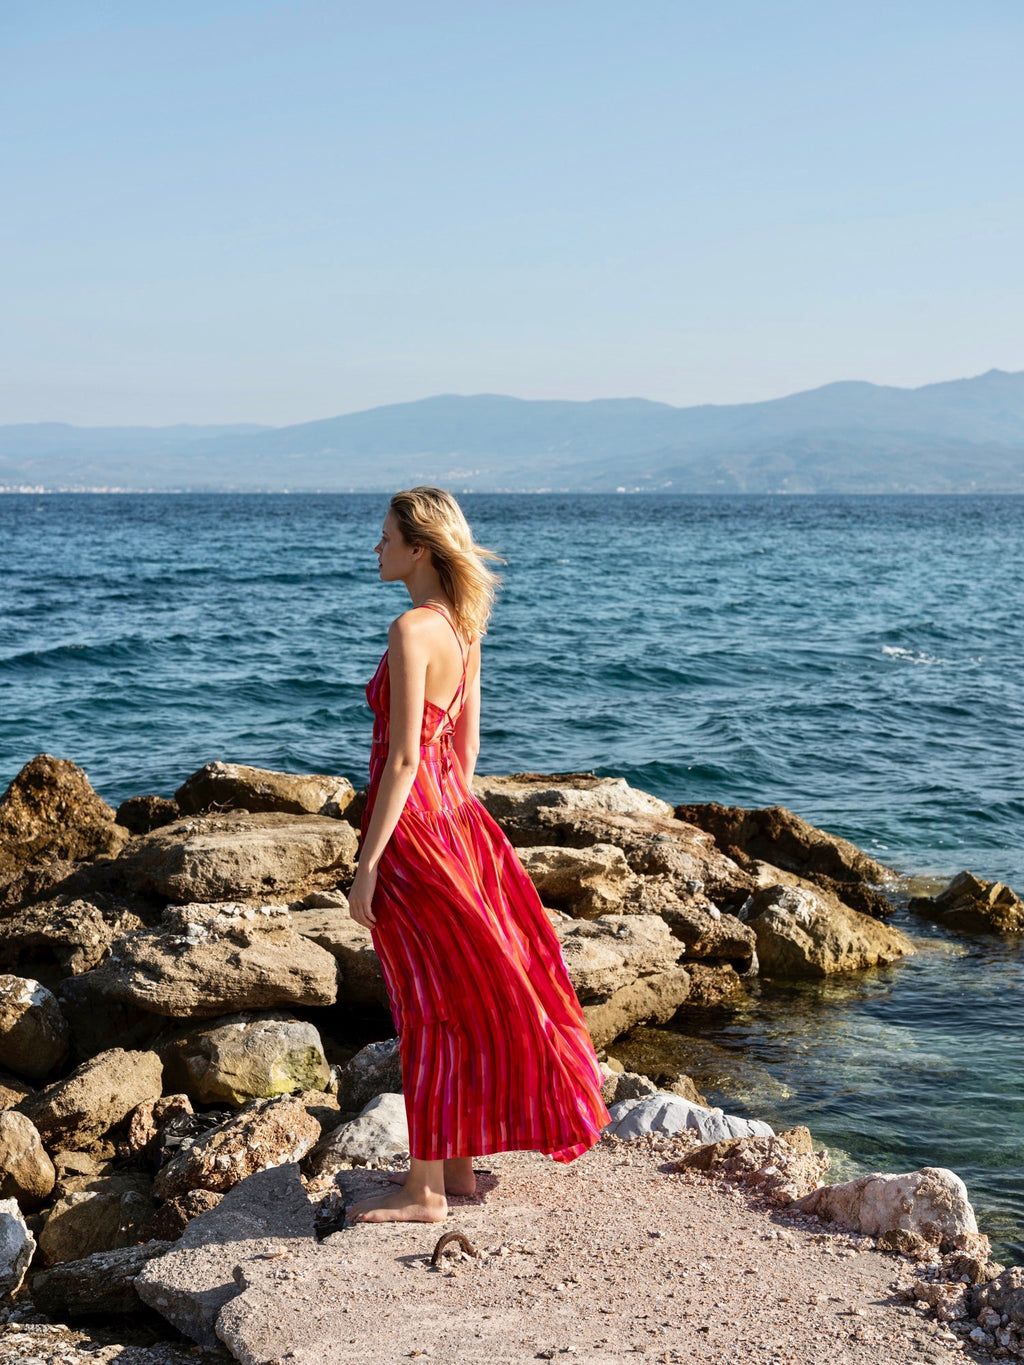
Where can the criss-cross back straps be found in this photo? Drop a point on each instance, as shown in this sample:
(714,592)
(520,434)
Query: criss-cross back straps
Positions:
(464,656)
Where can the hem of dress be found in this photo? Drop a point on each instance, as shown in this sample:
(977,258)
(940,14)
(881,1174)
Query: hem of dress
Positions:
(565,1154)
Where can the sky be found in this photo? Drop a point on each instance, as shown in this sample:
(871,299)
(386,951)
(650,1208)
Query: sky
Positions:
(242,211)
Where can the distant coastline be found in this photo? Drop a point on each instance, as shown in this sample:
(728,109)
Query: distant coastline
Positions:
(960,436)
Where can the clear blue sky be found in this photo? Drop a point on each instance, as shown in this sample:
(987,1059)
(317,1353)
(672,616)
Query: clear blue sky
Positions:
(237,210)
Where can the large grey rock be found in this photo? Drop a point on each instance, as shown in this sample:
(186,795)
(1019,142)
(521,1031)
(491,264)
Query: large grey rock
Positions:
(26,1171)
(931,1202)
(17,1246)
(805,933)
(60,937)
(239,856)
(232,786)
(975,905)
(205,960)
(625,970)
(668,1115)
(33,1032)
(98,1286)
(361,981)
(94,1098)
(376,1069)
(262,1216)
(267,1133)
(516,798)
(247,1057)
(582,882)
(107,1215)
(51,813)
(380,1131)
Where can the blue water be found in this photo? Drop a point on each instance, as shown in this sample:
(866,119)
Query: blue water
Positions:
(858,659)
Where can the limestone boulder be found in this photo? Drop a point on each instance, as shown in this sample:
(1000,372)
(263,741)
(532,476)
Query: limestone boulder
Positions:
(625,970)
(33,1032)
(654,845)
(51,813)
(105,1216)
(143,814)
(239,857)
(232,786)
(781,1170)
(776,836)
(668,1115)
(360,979)
(266,1133)
(708,933)
(515,800)
(205,960)
(101,1285)
(246,1057)
(974,905)
(582,882)
(94,1098)
(803,933)
(376,1069)
(62,937)
(931,1202)
(264,1216)
(26,1171)
(862,896)
(17,1247)
(380,1132)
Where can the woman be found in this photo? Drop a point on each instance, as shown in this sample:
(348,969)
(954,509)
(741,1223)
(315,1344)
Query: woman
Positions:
(495,1051)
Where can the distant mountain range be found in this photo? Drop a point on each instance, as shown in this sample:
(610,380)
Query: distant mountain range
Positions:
(963,436)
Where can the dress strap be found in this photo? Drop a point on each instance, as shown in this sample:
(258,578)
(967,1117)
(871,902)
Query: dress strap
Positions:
(463,656)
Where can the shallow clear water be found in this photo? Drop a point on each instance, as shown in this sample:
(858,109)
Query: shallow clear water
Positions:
(856,659)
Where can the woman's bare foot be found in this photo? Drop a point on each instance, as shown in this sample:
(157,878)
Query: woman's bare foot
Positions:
(459,1177)
(398,1207)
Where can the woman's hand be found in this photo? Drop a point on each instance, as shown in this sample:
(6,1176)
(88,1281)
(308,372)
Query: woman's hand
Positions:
(360,897)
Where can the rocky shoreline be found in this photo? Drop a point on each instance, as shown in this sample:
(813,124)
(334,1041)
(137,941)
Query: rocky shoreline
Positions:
(188,1015)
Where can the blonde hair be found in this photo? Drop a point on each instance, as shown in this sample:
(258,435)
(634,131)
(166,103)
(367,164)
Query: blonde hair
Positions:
(431,517)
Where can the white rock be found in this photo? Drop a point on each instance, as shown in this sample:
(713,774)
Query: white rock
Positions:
(669,1114)
(932,1202)
(380,1131)
(17,1246)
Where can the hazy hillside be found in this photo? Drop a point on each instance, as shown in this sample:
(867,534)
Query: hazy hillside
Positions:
(960,436)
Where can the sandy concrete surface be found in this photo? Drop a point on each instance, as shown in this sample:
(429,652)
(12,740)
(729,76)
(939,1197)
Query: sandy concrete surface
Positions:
(602,1260)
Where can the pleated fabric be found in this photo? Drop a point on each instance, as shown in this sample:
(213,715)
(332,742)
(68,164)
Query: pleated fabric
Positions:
(495,1051)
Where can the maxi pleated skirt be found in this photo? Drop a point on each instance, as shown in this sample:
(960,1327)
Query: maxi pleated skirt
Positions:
(495,1051)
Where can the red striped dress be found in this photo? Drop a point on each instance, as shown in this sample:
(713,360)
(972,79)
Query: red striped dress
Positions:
(495,1051)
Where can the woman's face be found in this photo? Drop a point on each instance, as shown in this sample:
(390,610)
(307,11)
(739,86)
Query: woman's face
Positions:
(395,556)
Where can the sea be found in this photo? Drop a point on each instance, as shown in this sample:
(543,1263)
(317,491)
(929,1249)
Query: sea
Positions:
(859,659)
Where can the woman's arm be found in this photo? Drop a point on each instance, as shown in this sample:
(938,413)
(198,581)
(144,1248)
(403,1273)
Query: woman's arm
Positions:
(467,727)
(407,666)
